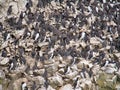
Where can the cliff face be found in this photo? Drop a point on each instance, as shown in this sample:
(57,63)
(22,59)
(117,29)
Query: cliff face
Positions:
(59,44)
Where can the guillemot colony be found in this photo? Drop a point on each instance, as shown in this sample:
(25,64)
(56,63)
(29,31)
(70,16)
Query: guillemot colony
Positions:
(59,44)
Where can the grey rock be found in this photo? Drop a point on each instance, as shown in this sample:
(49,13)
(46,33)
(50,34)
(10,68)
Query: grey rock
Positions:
(61,71)
(71,75)
(4,61)
(55,81)
(94,41)
(4,45)
(1,87)
(51,68)
(110,70)
(42,44)
(117,87)
(111,82)
(40,79)
(15,9)
(2,74)
(67,87)
(50,88)
(39,71)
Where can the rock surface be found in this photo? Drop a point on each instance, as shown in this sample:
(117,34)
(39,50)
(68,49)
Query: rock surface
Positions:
(65,87)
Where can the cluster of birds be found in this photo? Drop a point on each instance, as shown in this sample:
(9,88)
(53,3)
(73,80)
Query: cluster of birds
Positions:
(67,28)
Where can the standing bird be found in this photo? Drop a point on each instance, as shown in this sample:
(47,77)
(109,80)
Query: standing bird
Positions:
(9,11)
(117,43)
